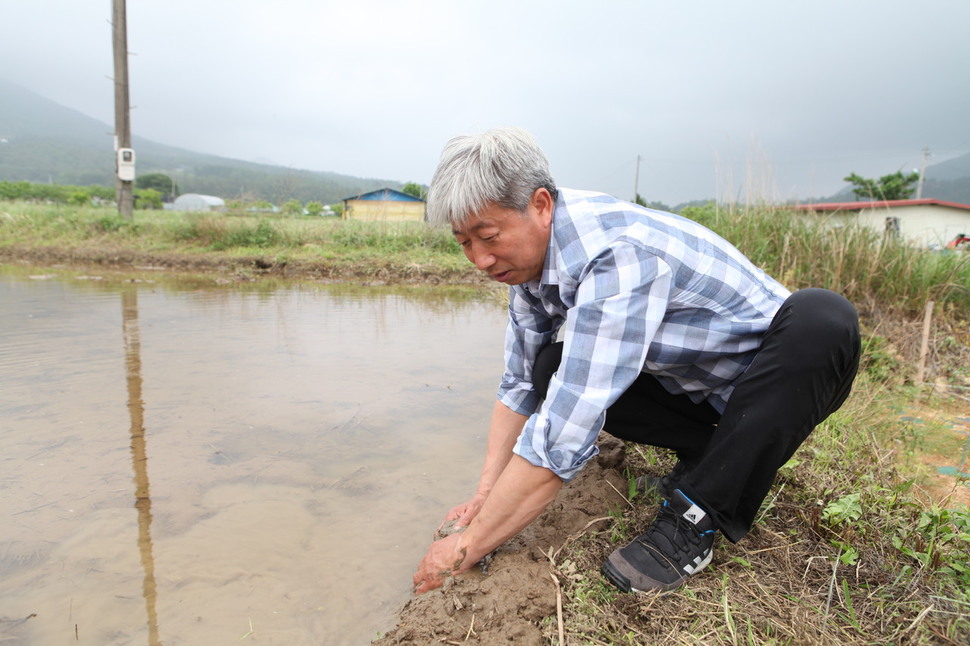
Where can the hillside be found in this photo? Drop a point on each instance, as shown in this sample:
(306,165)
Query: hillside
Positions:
(951,169)
(948,181)
(944,181)
(43,141)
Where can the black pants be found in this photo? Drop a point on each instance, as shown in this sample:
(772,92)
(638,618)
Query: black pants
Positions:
(801,375)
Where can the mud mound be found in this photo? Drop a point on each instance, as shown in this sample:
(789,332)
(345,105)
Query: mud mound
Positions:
(510,604)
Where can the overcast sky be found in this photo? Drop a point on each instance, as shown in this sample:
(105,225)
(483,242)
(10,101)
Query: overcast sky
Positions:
(784,98)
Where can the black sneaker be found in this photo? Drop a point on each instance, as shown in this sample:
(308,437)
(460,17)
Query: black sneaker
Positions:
(666,484)
(677,545)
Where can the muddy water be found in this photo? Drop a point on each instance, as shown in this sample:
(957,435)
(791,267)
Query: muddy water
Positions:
(193,464)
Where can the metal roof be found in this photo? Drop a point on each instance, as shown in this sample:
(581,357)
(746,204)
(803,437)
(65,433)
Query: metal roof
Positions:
(210,200)
(860,206)
(386,195)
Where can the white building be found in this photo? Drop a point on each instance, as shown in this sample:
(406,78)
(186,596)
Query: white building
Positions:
(927,223)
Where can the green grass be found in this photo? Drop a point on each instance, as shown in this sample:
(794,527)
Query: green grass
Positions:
(284,240)
(875,274)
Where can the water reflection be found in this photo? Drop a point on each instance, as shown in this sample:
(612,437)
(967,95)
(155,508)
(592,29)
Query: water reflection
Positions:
(304,441)
(139,455)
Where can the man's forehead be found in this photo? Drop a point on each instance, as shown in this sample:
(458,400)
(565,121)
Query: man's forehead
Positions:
(475,223)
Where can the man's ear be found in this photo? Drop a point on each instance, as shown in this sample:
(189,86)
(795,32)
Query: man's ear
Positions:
(543,203)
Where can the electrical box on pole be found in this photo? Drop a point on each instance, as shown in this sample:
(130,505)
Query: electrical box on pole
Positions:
(126,164)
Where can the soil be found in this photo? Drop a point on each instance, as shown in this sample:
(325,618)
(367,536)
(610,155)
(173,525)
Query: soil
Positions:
(228,269)
(947,456)
(508,605)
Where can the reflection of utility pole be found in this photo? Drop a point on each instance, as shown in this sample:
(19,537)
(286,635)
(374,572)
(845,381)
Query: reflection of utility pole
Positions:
(124,193)
(636,182)
(139,456)
(922,174)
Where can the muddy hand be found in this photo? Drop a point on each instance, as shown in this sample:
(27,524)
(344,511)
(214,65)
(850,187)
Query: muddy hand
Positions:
(462,515)
(444,558)
(448,528)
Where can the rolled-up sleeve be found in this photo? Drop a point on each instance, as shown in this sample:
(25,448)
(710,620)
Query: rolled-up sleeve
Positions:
(620,301)
(529,329)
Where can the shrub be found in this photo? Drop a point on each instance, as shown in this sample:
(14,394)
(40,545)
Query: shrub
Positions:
(148,198)
(79,198)
(314,208)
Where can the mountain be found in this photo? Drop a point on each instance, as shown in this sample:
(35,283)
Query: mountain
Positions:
(948,181)
(952,169)
(43,141)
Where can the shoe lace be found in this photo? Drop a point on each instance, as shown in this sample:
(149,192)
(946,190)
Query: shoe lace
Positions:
(674,536)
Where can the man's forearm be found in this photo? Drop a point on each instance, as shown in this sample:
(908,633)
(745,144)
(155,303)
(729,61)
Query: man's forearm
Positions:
(518,496)
(503,431)
(511,493)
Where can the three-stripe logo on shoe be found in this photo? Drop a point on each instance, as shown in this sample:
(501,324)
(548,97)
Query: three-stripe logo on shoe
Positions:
(698,564)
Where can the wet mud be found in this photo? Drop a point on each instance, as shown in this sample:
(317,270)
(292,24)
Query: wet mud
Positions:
(516,601)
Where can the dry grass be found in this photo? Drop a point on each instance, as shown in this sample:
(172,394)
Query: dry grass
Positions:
(846,550)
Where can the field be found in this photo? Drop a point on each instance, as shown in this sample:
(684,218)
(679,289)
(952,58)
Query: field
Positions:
(864,540)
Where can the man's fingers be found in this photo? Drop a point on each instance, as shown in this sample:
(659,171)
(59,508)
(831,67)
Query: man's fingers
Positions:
(424,585)
(457,512)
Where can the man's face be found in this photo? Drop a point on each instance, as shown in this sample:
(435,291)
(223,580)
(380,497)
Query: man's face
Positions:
(508,245)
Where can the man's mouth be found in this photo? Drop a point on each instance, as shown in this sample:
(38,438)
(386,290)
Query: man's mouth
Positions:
(501,276)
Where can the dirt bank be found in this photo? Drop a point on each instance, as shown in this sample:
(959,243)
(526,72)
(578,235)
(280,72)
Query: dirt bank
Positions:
(243,267)
(510,604)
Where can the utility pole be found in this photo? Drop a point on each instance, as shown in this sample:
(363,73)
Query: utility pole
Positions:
(124,155)
(922,174)
(636,182)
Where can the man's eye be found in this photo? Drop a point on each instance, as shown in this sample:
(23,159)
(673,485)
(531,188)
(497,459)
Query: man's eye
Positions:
(489,238)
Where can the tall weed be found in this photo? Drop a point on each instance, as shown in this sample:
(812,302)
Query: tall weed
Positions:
(872,271)
(392,237)
(220,233)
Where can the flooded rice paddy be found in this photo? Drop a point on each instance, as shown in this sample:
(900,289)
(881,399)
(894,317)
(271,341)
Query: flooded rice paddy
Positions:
(196,464)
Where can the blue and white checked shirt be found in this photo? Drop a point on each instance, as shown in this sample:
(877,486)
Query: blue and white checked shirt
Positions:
(628,290)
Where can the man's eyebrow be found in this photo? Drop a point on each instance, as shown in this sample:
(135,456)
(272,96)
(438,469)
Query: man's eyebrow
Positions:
(474,227)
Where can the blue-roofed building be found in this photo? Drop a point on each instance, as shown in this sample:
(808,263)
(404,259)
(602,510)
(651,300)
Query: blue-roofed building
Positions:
(384,204)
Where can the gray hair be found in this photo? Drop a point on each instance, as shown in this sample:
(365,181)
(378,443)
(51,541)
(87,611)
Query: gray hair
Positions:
(503,166)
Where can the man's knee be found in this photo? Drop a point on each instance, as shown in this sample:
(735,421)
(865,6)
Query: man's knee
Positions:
(814,320)
(822,307)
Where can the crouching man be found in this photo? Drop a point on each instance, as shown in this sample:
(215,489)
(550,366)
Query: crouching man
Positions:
(643,324)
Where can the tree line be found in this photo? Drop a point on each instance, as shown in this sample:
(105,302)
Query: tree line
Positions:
(153,189)
(74,195)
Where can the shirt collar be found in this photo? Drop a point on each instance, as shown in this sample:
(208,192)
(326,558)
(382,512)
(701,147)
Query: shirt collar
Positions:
(550,267)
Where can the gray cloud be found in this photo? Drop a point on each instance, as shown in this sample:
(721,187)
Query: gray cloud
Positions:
(781,98)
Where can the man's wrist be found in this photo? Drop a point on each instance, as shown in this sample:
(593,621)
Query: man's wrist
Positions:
(482,492)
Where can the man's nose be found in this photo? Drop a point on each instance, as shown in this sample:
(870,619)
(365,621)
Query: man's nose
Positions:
(482,258)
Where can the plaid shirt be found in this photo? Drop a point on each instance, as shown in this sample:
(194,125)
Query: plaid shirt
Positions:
(627,290)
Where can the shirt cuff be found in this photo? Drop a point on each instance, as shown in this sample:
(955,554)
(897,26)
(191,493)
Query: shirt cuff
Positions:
(564,462)
(519,398)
